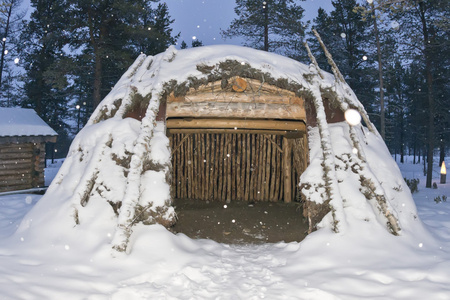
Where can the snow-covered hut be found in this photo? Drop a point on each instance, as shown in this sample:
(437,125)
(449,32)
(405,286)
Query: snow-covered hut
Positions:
(23,135)
(228,123)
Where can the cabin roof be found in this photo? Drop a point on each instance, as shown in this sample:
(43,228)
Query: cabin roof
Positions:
(23,122)
(179,72)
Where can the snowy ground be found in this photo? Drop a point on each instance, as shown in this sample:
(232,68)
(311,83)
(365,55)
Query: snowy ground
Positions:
(52,169)
(363,263)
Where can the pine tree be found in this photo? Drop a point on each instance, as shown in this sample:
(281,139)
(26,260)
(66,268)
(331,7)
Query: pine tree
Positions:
(41,43)
(183,45)
(322,24)
(423,24)
(346,35)
(10,16)
(270,25)
(111,34)
(196,43)
(154,33)
(373,16)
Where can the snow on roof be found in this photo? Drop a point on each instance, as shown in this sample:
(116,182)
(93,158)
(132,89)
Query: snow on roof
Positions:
(22,122)
(149,75)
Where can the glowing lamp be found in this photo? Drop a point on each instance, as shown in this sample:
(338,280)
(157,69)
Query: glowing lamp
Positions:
(443,172)
(352,117)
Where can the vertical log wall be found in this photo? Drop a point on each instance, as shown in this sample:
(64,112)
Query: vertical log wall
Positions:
(241,166)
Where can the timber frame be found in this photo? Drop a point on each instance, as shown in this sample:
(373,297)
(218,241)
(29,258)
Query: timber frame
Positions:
(233,140)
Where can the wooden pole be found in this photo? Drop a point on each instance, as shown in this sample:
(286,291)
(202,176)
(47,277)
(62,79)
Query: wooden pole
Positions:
(220,169)
(217,159)
(183,169)
(172,190)
(207,167)
(225,167)
(239,156)
(273,172)
(266,163)
(261,167)
(234,158)
(229,157)
(189,166)
(195,179)
(253,169)
(203,165)
(205,123)
(248,168)
(280,181)
(287,165)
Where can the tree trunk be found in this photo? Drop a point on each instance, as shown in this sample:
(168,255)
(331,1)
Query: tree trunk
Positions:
(5,35)
(380,74)
(97,81)
(266,27)
(429,78)
(402,137)
(96,45)
(424,158)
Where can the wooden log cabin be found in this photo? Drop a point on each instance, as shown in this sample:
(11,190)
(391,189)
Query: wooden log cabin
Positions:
(23,135)
(236,139)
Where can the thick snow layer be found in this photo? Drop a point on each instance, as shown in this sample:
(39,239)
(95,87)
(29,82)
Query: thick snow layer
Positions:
(149,73)
(109,159)
(22,122)
(380,165)
(364,263)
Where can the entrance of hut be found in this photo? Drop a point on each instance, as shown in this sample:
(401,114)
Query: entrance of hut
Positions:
(237,186)
(238,149)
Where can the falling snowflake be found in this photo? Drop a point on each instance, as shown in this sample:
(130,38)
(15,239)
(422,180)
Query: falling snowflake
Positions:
(395,25)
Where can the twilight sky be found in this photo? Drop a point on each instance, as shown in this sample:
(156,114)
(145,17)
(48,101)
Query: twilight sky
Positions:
(204,19)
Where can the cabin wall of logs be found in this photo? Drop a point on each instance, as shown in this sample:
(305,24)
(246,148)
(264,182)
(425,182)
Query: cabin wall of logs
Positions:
(237,139)
(22,162)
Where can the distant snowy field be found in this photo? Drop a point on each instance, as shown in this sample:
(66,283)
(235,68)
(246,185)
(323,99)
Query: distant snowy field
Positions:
(364,263)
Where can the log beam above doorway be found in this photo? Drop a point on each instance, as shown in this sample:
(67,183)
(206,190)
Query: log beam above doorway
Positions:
(289,134)
(236,110)
(237,124)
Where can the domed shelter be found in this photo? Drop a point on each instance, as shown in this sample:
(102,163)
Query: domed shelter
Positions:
(228,123)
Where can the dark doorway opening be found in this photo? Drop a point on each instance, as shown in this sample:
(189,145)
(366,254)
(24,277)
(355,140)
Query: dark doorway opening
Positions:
(232,187)
(240,222)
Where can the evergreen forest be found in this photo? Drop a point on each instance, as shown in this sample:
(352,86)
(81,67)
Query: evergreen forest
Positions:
(66,55)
